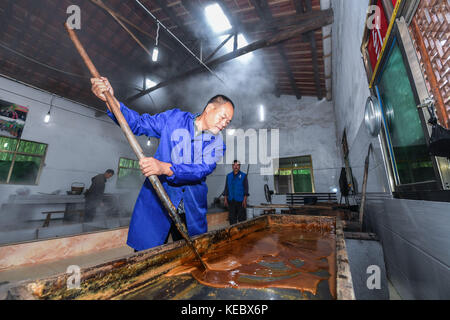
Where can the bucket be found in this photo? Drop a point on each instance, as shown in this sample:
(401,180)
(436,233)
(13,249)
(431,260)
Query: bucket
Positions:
(77,188)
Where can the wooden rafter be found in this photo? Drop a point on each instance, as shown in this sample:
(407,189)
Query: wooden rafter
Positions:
(7,12)
(239,27)
(33,9)
(130,33)
(315,61)
(173,46)
(121,20)
(218,48)
(279,23)
(174,19)
(264,13)
(195,12)
(188,35)
(127,21)
(273,40)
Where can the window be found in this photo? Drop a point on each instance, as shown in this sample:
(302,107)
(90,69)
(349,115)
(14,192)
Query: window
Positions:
(295,175)
(406,140)
(21,161)
(129,174)
(217,18)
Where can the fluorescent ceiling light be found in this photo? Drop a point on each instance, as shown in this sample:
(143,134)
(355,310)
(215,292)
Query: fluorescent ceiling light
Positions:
(155,54)
(261,113)
(149,83)
(216,18)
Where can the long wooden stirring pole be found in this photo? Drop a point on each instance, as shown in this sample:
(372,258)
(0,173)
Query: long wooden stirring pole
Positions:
(115,109)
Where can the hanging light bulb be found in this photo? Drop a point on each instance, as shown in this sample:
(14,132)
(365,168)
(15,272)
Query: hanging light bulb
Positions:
(149,143)
(155,50)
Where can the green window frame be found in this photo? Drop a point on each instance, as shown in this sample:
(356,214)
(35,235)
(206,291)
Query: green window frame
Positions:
(129,173)
(412,163)
(21,161)
(295,175)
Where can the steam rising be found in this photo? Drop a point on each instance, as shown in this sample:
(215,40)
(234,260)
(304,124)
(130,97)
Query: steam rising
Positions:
(246,81)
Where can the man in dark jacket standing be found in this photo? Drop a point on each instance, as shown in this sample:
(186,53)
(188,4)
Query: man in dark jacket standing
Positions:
(236,193)
(94,194)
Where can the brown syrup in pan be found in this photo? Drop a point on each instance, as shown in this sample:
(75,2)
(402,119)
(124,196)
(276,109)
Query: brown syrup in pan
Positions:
(289,257)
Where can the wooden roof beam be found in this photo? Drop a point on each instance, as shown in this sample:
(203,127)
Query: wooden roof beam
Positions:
(165,39)
(188,36)
(312,41)
(276,23)
(264,13)
(239,27)
(218,48)
(313,24)
(195,12)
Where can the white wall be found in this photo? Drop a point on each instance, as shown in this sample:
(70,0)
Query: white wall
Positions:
(351,90)
(80,145)
(306,126)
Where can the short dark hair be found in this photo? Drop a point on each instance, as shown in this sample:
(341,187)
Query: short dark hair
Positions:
(237,161)
(111,171)
(219,99)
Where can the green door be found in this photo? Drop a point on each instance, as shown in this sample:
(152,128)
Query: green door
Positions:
(302,180)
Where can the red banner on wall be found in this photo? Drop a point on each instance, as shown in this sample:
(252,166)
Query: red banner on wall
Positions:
(377,35)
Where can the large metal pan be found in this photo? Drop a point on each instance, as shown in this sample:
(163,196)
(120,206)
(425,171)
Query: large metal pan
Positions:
(141,275)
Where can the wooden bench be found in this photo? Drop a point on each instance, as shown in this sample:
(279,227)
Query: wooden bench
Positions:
(299,198)
(49,216)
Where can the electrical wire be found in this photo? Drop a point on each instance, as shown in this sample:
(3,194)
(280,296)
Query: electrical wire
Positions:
(51,103)
(179,41)
(56,69)
(57,107)
(157,35)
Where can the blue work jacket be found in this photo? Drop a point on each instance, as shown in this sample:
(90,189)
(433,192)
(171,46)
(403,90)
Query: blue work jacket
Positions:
(235,186)
(192,159)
